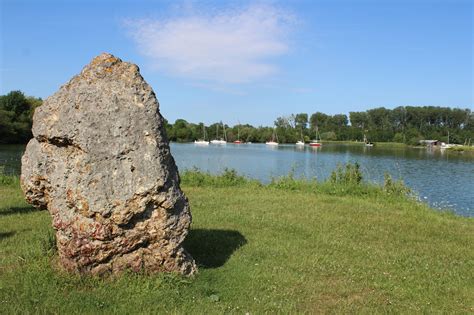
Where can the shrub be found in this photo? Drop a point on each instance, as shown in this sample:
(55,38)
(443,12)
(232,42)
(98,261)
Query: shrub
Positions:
(392,187)
(229,177)
(349,174)
(344,180)
(289,182)
(399,137)
(329,136)
(415,141)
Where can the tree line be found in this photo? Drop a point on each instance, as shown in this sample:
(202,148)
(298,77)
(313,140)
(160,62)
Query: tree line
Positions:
(403,124)
(16,113)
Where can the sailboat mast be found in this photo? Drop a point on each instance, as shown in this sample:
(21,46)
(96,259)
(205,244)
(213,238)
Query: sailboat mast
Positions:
(238,130)
(225,135)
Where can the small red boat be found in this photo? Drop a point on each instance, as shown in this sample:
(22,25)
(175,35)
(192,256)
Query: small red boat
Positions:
(237,142)
(315,142)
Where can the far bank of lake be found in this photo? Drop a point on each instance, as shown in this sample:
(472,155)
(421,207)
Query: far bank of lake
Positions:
(443,179)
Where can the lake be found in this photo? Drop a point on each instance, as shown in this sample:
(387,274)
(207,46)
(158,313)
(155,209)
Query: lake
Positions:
(445,180)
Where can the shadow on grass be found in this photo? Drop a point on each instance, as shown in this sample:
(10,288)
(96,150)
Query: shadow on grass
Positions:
(212,248)
(15,210)
(6,235)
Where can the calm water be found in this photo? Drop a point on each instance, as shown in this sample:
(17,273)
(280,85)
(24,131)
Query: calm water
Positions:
(444,180)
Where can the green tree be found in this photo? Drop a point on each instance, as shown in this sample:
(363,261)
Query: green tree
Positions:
(318,120)
(359,119)
(301,121)
(15,102)
(16,112)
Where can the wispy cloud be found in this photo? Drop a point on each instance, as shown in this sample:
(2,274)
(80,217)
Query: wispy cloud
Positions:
(231,46)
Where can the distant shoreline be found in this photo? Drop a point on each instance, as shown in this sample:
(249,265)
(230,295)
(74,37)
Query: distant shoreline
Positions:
(457,148)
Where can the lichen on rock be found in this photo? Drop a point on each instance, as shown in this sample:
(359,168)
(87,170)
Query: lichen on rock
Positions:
(100,163)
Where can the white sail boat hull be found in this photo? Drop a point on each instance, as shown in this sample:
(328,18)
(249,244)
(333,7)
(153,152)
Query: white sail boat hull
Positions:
(221,141)
(272,143)
(218,142)
(201,142)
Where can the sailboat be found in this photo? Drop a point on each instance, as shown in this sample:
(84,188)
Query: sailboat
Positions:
(446,145)
(300,142)
(238,135)
(315,142)
(203,140)
(219,141)
(367,143)
(274,137)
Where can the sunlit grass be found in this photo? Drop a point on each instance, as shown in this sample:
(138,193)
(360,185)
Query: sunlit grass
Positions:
(285,247)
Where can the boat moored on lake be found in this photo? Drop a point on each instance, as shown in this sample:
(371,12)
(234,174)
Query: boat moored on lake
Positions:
(220,141)
(300,143)
(238,141)
(202,141)
(367,143)
(271,143)
(315,143)
(274,141)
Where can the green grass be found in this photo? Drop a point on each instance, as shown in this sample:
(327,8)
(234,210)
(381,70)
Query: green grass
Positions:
(391,144)
(291,246)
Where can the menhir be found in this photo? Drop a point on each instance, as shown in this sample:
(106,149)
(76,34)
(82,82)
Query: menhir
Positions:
(100,163)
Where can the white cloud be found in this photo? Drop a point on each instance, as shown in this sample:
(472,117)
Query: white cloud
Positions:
(233,46)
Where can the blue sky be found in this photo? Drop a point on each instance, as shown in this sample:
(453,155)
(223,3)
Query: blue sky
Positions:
(251,61)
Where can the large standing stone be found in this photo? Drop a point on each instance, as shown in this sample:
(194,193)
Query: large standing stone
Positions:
(101,164)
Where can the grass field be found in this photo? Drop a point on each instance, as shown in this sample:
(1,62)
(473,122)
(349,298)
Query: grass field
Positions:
(292,246)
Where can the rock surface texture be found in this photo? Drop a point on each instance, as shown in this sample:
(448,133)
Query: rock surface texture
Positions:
(100,163)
